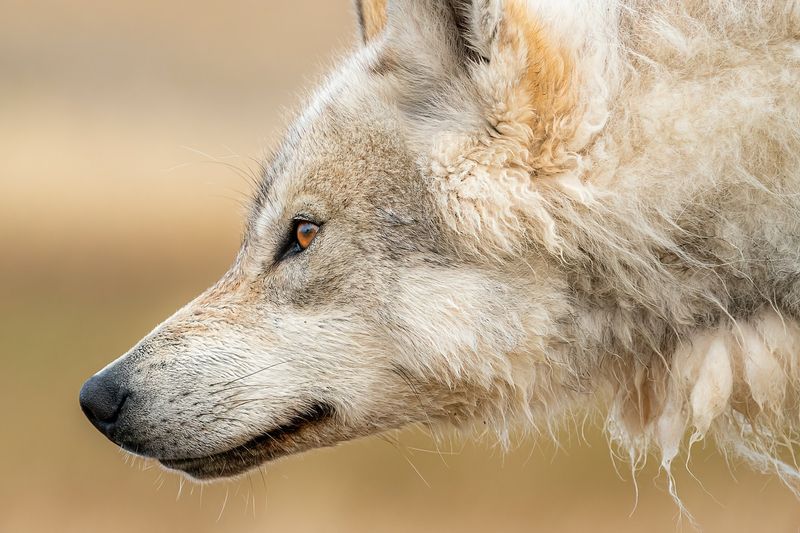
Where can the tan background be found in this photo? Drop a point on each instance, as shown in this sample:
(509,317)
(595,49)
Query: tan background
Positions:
(124,129)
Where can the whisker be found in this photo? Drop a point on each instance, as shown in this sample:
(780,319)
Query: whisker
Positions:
(273,365)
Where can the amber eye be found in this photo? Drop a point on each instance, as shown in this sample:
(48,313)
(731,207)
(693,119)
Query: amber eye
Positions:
(304,233)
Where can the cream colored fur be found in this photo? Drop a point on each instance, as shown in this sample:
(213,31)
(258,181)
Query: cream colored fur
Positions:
(670,106)
(527,209)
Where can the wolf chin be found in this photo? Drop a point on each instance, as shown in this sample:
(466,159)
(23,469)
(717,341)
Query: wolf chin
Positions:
(504,213)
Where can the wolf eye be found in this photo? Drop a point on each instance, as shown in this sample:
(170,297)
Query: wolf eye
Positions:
(304,233)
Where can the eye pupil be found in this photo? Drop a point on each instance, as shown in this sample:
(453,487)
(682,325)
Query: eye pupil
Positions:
(305,233)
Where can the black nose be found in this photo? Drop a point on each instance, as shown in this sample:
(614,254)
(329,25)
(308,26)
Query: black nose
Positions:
(102,398)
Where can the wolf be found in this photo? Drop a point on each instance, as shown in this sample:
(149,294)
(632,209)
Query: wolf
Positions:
(500,214)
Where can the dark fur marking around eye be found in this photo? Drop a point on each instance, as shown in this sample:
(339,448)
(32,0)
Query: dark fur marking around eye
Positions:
(288,247)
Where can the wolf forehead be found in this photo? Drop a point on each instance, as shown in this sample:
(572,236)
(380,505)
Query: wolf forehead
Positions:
(347,157)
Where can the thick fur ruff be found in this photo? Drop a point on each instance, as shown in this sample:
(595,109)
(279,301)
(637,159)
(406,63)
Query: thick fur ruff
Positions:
(666,188)
(652,150)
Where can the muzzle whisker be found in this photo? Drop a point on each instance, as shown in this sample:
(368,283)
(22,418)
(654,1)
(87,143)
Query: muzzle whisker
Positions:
(273,365)
(224,503)
(408,380)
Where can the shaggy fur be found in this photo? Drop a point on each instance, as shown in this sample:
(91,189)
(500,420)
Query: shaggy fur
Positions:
(525,206)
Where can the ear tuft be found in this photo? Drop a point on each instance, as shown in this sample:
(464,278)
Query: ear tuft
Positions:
(371,18)
(476,22)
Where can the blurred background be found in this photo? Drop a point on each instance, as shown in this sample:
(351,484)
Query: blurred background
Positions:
(127,130)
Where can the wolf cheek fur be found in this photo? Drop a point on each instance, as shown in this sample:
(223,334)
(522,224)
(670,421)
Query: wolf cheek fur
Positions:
(523,206)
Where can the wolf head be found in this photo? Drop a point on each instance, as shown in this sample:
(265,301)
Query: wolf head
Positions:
(391,270)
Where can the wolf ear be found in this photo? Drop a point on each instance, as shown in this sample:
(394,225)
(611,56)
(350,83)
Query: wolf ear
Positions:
(480,62)
(484,83)
(372,17)
(480,58)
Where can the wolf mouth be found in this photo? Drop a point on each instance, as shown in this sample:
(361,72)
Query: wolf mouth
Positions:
(264,447)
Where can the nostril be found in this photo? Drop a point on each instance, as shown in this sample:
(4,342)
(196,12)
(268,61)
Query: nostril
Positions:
(102,398)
